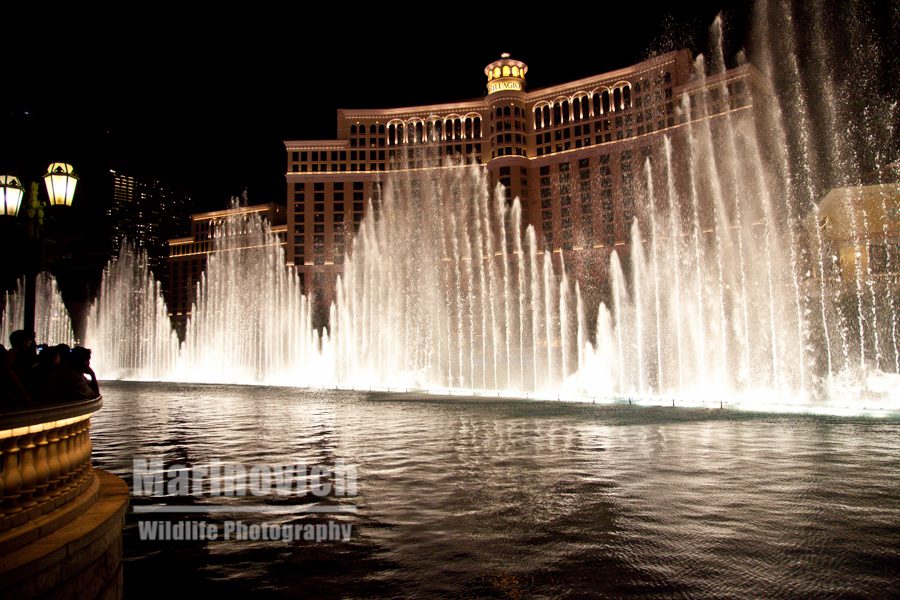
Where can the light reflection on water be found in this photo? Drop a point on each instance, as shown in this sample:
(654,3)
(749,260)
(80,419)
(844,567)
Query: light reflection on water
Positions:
(516,498)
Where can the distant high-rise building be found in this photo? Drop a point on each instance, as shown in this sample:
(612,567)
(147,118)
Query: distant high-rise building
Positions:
(147,212)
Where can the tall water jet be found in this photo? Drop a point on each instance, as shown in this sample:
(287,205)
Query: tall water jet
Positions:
(128,324)
(250,322)
(478,317)
(52,323)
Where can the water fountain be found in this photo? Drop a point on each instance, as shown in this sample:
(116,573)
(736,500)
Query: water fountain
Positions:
(128,325)
(52,323)
(726,291)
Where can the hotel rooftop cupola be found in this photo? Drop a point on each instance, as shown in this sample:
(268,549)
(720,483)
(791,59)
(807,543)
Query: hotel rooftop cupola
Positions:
(505,75)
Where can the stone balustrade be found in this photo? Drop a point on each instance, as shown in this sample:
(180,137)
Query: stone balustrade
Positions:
(60,519)
(45,459)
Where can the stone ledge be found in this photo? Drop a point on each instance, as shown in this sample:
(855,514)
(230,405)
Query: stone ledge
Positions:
(84,555)
(15,529)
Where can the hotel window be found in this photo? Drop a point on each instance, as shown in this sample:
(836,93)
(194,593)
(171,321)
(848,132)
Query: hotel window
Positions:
(606,201)
(609,234)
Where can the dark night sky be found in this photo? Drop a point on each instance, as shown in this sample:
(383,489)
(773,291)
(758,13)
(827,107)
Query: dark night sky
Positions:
(205,101)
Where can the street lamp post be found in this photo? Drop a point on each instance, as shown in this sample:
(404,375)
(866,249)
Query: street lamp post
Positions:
(60,180)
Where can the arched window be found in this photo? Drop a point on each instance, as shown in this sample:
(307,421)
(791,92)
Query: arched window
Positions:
(617,98)
(457,129)
(546,112)
(373,129)
(605,100)
(565,112)
(538,118)
(477,127)
(596,101)
(381,130)
(419,137)
(439,129)
(626,96)
(506,111)
(392,131)
(557,114)
(353,130)
(499,112)
(401,133)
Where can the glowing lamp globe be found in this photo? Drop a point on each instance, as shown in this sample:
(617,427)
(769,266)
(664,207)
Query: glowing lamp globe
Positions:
(11,192)
(61,181)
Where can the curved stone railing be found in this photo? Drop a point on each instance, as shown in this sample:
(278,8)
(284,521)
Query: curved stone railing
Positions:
(45,459)
(61,520)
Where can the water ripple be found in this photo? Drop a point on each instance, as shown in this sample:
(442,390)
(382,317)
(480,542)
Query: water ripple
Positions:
(514,499)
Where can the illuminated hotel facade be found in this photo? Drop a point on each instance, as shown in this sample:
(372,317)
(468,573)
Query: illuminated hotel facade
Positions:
(569,152)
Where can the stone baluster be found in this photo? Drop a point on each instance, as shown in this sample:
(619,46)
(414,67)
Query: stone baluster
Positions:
(65,457)
(41,466)
(84,450)
(54,466)
(75,452)
(29,473)
(2,484)
(12,477)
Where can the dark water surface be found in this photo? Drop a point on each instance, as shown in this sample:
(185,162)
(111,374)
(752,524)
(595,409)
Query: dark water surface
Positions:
(521,499)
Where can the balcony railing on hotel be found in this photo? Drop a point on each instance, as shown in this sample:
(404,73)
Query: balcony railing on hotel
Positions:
(45,459)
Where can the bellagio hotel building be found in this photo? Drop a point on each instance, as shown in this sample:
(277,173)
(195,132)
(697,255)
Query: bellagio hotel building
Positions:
(569,152)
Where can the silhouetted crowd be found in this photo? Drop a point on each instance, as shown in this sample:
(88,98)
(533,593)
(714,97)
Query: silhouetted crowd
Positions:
(31,374)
